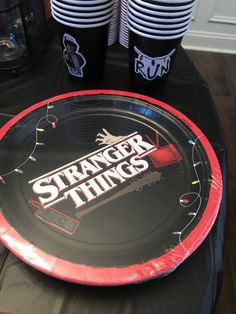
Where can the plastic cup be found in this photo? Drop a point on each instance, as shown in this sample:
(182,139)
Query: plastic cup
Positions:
(151,5)
(153,36)
(156,19)
(82,13)
(151,58)
(81,25)
(171,2)
(156,25)
(82,2)
(87,8)
(157,31)
(82,20)
(159,14)
(84,48)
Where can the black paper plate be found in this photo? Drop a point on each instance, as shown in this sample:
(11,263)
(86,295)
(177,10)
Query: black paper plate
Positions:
(105,187)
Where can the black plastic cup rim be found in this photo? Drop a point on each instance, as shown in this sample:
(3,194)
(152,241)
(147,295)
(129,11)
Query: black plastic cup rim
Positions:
(81,5)
(162,8)
(83,20)
(83,25)
(81,15)
(153,12)
(166,26)
(170,3)
(157,19)
(157,31)
(155,36)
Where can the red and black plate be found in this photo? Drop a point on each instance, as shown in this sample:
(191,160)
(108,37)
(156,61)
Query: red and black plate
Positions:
(105,187)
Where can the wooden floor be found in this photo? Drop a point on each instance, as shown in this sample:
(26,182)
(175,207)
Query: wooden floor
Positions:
(219,70)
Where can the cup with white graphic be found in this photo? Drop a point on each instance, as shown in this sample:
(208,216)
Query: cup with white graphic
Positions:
(150,60)
(156,29)
(83,30)
(84,51)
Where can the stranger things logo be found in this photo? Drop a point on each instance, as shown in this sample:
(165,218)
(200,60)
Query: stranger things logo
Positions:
(84,182)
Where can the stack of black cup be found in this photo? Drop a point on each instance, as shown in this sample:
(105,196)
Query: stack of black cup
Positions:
(83,28)
(156,29)
(151,29)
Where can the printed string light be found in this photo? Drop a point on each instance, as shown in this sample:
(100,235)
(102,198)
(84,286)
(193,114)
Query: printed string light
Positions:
(185,199)
(51,119)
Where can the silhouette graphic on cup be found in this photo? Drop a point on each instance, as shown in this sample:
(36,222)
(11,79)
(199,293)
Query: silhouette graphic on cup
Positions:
(74,60)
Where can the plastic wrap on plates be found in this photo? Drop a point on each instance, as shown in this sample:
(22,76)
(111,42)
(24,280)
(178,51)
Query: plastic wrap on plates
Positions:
(200,203)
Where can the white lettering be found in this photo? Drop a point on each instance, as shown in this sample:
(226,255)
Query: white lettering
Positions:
(139,145)
(73,175)
(126,170)
(48,188)
(112,155)
(90,189)
(73,194)
(113,173)
(99,158)
(40,188)
(59,182)
(140,164)
(125,149)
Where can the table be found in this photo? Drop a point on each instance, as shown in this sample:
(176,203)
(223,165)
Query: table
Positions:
(193,287)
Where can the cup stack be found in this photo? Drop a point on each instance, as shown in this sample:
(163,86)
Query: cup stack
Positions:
(83,28)
(156,29)
(124,31)
(114,24)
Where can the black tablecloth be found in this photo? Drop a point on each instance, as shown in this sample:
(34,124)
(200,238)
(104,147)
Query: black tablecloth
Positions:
(192,288)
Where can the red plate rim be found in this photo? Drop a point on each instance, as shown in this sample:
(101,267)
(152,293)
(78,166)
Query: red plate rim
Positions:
(110,276)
